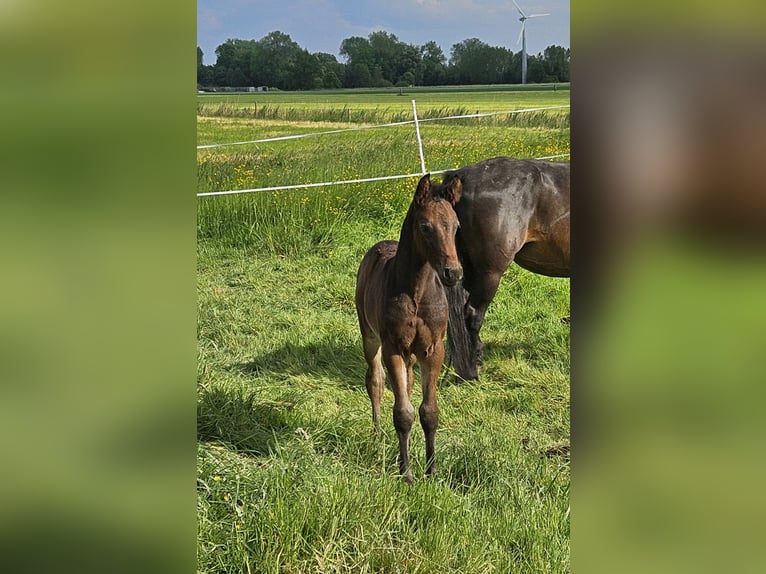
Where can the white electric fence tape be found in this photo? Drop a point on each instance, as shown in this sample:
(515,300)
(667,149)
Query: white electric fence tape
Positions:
(361,128)
(367,179)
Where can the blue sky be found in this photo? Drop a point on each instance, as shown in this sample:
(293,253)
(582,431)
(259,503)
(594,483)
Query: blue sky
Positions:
(321,25)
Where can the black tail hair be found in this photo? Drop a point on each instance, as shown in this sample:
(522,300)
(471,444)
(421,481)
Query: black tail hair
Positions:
(458,339)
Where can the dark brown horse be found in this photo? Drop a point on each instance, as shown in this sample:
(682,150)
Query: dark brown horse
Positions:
(509,210)
(403,311)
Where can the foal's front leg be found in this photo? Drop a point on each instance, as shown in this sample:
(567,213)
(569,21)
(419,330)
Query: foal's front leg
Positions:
(404,413)
(430,366)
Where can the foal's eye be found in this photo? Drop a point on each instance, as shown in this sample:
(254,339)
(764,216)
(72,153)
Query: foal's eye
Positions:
(426,227)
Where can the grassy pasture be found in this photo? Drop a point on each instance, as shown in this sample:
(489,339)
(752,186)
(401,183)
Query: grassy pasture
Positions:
(291,477)
(380,106)
(484,98)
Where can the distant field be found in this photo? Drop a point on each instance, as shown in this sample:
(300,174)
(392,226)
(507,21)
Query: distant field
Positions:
(291,478)
(445,94)
(390,102)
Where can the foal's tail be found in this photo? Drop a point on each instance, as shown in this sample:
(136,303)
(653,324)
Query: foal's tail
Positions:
(458,339)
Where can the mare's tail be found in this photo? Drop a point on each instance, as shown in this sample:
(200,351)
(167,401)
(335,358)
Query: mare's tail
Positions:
(458,339)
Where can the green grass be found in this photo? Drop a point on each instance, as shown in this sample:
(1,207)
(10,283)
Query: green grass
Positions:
(270,218)
(291,476)
(481,96)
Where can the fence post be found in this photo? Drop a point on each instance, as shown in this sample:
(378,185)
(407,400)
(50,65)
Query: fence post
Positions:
(420,142)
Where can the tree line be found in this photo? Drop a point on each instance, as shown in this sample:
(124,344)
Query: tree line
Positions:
(380,60)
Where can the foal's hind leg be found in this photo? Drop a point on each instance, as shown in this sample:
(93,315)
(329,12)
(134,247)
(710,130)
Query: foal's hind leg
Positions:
(375,378)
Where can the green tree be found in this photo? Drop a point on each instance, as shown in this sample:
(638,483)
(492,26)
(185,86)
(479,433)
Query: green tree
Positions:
(233,66)
(384,56)
(332,71)
(357,50)
(408,64)
(204,73)
(379,60)
(305,73)
(535,70)
(406,79)
(358,54)
(475,62)
(433,64)
(276,61)
(556,63)
(514,74)
(385,51)
(376,77)
(357,76)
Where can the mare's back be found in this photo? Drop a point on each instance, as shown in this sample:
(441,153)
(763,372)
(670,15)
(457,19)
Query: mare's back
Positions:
(506,179)
(520,208)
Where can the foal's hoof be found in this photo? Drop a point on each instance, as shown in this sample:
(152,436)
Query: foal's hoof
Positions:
(408,478)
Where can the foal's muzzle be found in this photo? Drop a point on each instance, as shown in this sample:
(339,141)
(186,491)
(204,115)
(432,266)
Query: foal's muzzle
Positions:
(451,275)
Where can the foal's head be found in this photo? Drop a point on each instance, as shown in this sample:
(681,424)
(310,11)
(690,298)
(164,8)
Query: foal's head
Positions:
(435,225)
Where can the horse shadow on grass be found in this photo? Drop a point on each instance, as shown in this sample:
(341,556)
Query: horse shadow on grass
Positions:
(237,419)
(539,352)
(330,361)
(517,350)
(342,364)
(240,418)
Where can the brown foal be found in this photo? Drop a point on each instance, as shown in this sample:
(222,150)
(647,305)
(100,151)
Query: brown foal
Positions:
(403,311)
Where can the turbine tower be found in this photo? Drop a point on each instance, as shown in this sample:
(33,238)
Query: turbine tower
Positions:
(523,39)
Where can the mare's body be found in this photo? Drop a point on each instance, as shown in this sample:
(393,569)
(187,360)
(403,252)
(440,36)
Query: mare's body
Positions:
(510,210)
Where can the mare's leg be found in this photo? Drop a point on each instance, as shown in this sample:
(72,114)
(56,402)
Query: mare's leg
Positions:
(375,378)
(404,413)
(481,291)
(429,411)
(484,259)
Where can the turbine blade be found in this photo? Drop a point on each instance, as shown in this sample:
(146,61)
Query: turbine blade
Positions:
(536,15)
(519,9)
(521,33)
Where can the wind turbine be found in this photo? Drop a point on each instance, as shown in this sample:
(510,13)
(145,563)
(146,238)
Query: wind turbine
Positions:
(523,39)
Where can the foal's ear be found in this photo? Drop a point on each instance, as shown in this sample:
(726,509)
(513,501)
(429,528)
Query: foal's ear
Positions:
(423,192)
(451,191)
